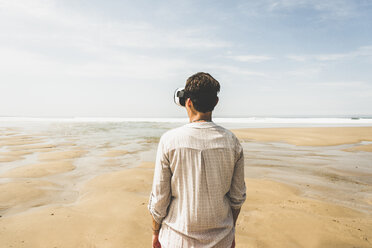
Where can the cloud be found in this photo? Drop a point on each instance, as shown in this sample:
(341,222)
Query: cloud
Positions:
(298,58)
(356,90)
(306,72)
(51,46)
(364,51)
(45,22)
(35,66)
(238,70)
(324,10)
(250,58)
(327,9)
(346,84)
(43,39)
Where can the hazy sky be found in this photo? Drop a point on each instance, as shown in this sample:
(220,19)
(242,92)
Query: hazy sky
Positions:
(125,58)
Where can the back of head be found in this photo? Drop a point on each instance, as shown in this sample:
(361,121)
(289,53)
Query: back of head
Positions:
(202,89)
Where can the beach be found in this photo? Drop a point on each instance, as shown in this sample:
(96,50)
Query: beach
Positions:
(88,185)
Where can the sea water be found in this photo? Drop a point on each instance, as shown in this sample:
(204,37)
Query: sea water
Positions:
(321,172)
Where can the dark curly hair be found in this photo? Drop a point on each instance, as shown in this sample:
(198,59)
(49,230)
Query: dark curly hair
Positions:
(202,89)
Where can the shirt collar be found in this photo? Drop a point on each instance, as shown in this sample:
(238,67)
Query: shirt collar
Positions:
(201,124)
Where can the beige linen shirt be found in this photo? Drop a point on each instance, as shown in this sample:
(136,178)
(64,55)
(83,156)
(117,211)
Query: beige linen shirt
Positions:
(198,178)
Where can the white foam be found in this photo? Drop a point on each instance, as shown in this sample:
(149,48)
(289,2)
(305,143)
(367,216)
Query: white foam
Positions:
(277,120)
(90,119)
(248,120)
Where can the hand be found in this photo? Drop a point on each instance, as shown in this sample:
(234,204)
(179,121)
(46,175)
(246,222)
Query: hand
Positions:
(233,243)
(155,241)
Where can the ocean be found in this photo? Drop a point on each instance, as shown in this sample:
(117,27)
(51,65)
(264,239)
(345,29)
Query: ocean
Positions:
(114,144)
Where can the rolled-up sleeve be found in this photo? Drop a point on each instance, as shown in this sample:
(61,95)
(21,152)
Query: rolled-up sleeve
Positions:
(161,188)
(237,193)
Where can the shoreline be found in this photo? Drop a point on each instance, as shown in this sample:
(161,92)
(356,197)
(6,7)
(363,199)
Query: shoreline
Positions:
(307,136)
(330,164)
(110,208)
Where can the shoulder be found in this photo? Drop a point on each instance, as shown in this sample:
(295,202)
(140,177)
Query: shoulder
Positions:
(171,135)
(232,139)
(228,133)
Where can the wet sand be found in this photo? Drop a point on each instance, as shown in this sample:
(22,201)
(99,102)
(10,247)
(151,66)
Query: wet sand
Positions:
(303,190)
(317,136)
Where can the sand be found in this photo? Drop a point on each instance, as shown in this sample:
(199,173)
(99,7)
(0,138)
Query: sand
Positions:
(275,215)
(317,136)
(32,147)
(115,153)
(364,148)
(39,170)
(61,155)
(112,213)
(19,140)
(111,210)
(24,194)
(9,158)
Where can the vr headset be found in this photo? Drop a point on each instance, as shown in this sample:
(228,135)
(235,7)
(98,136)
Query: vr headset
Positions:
(180,97)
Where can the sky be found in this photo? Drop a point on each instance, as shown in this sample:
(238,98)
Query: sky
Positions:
(125,58)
